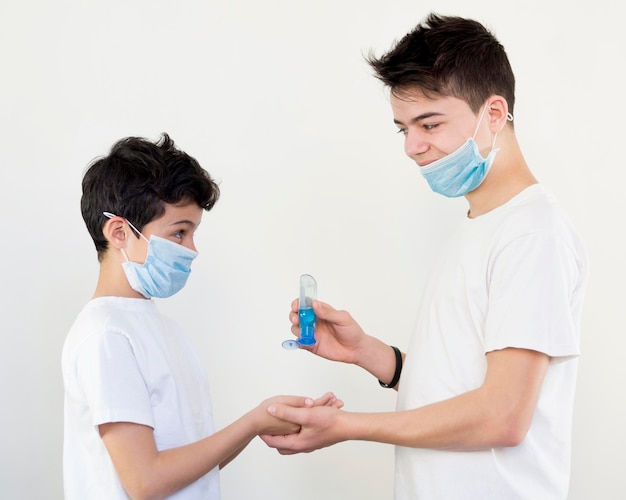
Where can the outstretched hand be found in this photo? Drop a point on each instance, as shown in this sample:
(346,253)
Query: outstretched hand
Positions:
(318,428)
(338,335)
(274,425)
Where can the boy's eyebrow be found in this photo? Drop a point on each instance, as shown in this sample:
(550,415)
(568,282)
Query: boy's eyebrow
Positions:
(185,222)
(419,118)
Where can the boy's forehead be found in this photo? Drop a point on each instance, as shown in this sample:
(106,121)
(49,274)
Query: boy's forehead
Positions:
(416,103)
(416,97)
(187,213)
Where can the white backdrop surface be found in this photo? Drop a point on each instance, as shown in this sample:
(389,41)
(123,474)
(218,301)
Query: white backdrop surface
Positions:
(275,100)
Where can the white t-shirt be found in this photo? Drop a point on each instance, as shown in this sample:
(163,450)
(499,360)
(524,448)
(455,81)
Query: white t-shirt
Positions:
(124,362)
(513,277)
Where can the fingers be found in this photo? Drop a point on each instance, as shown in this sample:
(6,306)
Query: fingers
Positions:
(285,412)
(293,314)
(296,401)
(273,441)
(289,428)
(322,311)
(324,400)
(328,313)
(337,403)
(281,443)
(286,452)
(328,399)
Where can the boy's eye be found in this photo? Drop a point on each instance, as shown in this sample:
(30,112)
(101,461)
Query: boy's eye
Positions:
(179,234)
(402,131)
(430,126)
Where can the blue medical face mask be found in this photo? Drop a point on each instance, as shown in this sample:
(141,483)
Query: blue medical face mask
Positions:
(165,270)
(461,171)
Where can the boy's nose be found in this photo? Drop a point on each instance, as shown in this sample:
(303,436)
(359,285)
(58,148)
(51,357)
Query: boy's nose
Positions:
(414,145)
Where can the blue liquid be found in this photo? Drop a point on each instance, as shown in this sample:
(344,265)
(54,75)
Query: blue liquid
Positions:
(307,326)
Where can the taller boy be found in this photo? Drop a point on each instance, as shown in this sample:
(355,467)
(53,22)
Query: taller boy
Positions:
(486,390)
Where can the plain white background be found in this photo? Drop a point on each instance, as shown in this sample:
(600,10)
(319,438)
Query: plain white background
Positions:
(275,100)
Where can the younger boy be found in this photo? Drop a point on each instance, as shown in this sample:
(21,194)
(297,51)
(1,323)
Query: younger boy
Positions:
(138,420)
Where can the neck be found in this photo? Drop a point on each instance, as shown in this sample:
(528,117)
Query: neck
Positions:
(509,176)
(112,281)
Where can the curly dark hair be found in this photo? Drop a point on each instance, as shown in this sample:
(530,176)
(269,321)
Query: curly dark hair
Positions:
(136,179)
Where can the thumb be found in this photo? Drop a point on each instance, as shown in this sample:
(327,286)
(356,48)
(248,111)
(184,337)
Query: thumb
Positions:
(285,412)
(322,310)
(328,313)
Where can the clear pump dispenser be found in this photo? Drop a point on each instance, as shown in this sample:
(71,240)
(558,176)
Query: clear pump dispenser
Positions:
(308,293)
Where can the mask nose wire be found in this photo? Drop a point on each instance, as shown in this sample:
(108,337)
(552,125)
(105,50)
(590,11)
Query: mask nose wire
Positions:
(110,216)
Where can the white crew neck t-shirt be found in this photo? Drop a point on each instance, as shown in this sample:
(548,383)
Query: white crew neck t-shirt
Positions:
(514,277)
(124,362)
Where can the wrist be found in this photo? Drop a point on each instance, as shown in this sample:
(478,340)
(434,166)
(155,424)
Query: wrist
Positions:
(397,370)
(254,422)
(353,426)
(367,353)
(378,358)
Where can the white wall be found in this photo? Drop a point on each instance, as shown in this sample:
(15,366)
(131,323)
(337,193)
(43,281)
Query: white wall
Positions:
(275,100)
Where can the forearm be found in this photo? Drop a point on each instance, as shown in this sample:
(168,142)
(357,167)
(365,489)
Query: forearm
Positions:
(181,466)
(465,422)
(377,358)
(147,473)
(234,455)
(498,413)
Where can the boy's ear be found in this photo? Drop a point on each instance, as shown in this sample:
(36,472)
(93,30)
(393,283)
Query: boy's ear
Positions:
(115,231)
(498,110)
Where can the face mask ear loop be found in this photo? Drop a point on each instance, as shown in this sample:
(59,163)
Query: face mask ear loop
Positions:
(110,216)
(482,113)
(509,117)
(136,230)
(125,255)
(493,144)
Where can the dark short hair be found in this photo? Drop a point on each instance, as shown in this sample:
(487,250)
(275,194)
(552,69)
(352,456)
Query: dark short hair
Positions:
(136,179)
(449,56)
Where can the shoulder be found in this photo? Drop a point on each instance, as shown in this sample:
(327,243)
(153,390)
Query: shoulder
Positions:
(534,211)
(106,317)
(531,224)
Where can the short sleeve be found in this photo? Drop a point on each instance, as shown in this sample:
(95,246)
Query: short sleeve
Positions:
(531,283)
(110,379)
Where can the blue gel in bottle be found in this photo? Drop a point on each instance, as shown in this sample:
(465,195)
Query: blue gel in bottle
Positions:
(308,293)
(307,326)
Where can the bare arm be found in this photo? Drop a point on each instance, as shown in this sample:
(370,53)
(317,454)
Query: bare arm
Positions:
(234,455)
(147,473)
(496,414)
